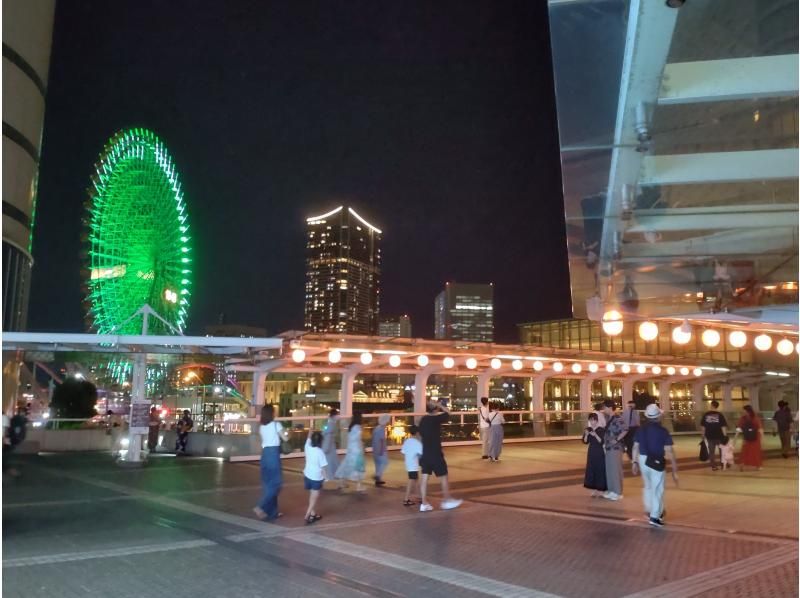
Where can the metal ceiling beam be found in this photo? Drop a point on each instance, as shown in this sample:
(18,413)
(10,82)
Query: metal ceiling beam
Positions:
(730,79)
(720,167)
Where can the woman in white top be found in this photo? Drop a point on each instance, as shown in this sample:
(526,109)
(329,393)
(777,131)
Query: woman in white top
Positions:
(352,468)
(496,422)
(329,434)
(272,433)
(314,473)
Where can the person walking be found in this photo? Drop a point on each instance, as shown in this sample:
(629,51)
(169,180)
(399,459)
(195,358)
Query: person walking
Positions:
(185,424)
(271,432)
(496,422)
(330,431)
(631,417)
(483,426)
(380,453)
(614,444)
(353,467)
(153,426)
(751,429)
(314,473)
(595,476)
(652,445)
(412,450)
(715,428)
(432,459)
(783,422)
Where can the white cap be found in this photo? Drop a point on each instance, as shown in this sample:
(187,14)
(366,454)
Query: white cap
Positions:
(652,411)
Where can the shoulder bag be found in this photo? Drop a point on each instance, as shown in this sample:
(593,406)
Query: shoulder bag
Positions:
(657,462)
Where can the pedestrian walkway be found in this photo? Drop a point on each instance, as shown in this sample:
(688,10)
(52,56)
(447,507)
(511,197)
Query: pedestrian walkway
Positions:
(78,525)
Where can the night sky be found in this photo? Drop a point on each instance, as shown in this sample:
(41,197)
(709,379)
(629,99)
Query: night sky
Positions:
(436,120)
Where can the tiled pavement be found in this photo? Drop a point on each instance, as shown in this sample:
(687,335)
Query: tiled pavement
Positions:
(78,525)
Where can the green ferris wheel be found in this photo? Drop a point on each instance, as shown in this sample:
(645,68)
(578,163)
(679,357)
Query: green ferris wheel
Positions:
(137,238)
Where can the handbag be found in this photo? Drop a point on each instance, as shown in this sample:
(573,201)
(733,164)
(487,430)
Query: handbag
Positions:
(286,447)
(703,450)
(658,463)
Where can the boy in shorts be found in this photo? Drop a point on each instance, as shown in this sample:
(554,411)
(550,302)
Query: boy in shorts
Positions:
(314,473)
(432,459)
(411,449)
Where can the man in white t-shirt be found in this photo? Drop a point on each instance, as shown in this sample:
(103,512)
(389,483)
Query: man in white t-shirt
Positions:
(483,426)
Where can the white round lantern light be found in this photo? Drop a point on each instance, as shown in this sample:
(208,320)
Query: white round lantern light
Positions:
(684,371)
(558,366)
(697,372)
(517,364)
(682,334)
(298,355)
(670,371)
(495,363)
(648,331)
(422,360)
(366,358)
(737,339)
(612,322)
(538,366)
(785,346)
(394,361)
(472,363)
(593,367)
(610,368)
(710,338)
(576,368)
(626,369)
(448,362)
(656,369)
(334,356)
(763,342)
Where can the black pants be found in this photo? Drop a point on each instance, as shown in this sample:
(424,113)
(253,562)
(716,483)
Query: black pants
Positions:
(629,438)
(713,447)
(180,443)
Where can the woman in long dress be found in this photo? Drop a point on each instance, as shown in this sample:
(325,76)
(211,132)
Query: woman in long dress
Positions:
(595,476)
(353,467)
(329,433)
(496,422)
(751,447)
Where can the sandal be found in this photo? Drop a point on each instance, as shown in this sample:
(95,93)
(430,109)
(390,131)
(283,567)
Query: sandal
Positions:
(313,519)
(408,503)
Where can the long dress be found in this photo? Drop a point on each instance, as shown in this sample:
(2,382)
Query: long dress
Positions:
(751,449)
(595,477)
(329,433)
(496,435)
(353,467)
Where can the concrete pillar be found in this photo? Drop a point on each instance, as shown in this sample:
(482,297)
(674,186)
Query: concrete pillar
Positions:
(346,400)
(257,400)
(727,397)
(529,389)
(537,392)
(698,396)
(752,391)
(420,385)
(627,389)
(483,386)
(664,386)
(586,393)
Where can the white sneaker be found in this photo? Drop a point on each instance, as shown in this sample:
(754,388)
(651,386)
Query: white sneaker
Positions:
(612,496)
(452,503)
(425,507)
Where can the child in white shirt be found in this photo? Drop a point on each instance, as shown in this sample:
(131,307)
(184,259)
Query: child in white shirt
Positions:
(412,449)
(314,473)
(726,449)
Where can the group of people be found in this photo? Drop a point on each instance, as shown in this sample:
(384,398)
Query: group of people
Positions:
(608,437)
(490,427)
(422,452)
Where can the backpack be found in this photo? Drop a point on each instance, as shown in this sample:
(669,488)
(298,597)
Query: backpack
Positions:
(16,433)
(749,430)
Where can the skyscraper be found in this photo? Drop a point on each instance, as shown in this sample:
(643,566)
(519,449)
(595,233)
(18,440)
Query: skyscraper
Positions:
(27,37)
(465,312)
(343,268)
(395,326)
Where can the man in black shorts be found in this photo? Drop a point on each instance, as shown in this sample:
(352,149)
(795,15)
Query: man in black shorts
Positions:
(432,459)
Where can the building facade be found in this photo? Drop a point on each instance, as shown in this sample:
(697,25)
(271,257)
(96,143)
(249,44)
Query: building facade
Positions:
(395,326)
(27,39)
(465,312)
(343,268)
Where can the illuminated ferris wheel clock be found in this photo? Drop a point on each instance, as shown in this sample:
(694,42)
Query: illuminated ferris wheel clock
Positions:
(137,238)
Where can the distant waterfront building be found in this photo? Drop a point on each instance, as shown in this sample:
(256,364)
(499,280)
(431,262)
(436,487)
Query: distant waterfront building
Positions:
(27,38)
(465,312)
(395,326)
(343,267)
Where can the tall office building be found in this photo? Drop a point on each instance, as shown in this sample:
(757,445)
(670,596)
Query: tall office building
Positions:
(343,268)
(27,38)
(395,326)
(465,312)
